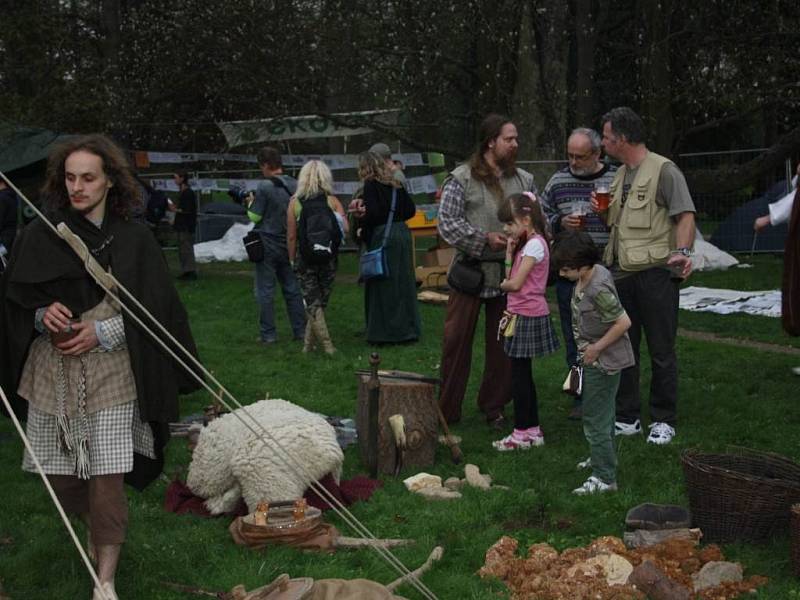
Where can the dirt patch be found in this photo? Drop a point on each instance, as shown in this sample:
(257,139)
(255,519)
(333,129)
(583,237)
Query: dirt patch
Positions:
(704,336)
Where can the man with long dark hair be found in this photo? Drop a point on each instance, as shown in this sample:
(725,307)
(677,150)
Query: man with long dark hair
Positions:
(98,392)
(468,221)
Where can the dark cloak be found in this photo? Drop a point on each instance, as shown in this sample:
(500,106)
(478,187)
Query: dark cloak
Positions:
(43,269)
(790,298)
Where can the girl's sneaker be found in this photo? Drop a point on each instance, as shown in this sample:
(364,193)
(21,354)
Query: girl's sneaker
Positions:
(514,441)
(534,435)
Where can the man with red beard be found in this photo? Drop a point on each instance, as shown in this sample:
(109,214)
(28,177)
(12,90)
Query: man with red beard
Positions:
(468,221)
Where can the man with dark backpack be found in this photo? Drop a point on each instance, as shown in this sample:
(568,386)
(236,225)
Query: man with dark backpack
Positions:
(268,212)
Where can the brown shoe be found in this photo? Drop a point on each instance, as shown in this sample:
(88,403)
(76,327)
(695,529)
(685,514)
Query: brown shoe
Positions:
(498,423)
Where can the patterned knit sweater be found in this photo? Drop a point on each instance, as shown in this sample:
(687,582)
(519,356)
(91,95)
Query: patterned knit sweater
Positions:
(565,189)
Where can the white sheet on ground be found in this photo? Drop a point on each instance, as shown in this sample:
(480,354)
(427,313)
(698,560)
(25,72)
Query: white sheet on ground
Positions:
(228,247)
(702,299)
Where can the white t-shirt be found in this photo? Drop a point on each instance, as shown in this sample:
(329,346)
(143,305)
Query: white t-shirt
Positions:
(534,248)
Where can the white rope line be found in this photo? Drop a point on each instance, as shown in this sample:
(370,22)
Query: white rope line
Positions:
(286,458)
(64,518)
(106,280)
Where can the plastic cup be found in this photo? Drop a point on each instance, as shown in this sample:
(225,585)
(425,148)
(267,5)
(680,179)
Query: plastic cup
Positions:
(579,213)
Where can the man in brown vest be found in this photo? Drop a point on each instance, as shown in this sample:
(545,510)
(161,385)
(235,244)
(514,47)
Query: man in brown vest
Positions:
(651,217)
(468,221)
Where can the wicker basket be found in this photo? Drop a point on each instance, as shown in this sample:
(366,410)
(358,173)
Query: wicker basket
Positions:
(794,532)
(741,495)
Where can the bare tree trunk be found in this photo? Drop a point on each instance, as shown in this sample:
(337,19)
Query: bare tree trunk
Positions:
(540,91)
(654,67)
(586,41)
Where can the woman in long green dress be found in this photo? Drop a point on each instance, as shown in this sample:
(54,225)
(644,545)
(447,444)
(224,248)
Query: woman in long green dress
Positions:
(390,304)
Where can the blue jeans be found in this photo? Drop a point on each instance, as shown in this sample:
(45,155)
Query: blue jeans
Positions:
(564,288)
(275,266)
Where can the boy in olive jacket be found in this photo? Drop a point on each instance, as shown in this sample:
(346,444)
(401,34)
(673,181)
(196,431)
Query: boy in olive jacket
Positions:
(600,326)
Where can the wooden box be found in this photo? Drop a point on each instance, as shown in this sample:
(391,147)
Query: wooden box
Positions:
(416,401)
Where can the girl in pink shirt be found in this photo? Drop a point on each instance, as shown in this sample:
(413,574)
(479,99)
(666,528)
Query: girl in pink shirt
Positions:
(527,328)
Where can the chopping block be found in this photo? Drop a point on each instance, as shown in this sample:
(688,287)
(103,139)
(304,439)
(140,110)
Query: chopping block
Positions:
(414,398)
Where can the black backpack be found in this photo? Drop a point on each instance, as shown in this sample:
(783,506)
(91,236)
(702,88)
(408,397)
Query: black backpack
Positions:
(318,231)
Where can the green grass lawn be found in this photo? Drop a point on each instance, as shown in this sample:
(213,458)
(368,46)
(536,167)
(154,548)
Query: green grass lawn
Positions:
(729,395)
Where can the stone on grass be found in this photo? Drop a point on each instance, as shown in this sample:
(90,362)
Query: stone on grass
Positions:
(454,483)
(422,480)
(716,572)
(616,569)
(475,479)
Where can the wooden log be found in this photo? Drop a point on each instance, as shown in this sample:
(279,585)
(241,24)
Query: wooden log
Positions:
(413,399)
(351,542)
(641,538)
(435,555)
(651,580)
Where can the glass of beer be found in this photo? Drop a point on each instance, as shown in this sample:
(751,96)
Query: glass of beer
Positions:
(579,213)
(602,195)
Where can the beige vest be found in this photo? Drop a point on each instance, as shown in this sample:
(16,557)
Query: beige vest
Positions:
(641,231)
(480,209)
(109,378)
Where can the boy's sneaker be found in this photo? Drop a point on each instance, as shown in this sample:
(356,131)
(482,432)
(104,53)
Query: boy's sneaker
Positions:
(593,485)
(511,442)
(621,428)
(584,464)
(660,433)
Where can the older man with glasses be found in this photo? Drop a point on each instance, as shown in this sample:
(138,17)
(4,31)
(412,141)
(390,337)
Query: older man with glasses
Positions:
(566,196)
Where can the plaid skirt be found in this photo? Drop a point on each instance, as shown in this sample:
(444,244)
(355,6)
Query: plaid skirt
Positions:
(533,336)
(115,433)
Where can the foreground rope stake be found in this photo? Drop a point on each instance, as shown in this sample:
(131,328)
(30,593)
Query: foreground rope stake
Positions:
(104,278)
(53,496)
(436,555)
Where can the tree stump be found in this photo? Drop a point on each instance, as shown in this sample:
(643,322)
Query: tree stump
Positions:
(413,399)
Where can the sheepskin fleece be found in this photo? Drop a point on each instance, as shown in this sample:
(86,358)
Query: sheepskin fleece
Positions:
(231,462)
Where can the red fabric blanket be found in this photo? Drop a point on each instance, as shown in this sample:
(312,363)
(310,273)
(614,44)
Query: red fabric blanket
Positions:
(180,499)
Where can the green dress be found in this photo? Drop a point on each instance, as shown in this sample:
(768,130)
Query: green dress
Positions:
(390,304)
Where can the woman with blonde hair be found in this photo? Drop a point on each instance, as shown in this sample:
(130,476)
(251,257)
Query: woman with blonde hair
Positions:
(390,303)
(315,226)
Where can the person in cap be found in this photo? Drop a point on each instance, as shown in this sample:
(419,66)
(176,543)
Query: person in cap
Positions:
(396,170)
